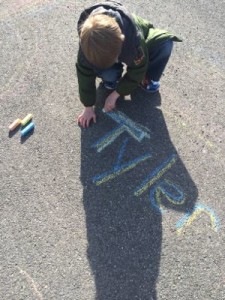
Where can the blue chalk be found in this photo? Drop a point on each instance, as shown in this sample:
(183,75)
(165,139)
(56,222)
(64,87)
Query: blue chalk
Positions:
(27,129)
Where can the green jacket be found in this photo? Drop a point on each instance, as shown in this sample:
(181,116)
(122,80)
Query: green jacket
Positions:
(148,37)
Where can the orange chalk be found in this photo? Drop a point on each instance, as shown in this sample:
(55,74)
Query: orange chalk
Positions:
(16,123)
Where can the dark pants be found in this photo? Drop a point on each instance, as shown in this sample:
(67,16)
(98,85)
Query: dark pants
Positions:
(158,59)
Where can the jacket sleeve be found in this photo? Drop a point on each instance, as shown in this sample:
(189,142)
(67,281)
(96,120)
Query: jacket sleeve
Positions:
(86,82)
(135,72)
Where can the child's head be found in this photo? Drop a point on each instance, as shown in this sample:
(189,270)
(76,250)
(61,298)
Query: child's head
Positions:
(101,40)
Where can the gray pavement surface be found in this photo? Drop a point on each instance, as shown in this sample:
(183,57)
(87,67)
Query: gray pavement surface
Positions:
(112,212)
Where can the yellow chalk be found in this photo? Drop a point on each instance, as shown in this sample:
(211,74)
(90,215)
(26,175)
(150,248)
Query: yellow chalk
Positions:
(26,119)
(16,123)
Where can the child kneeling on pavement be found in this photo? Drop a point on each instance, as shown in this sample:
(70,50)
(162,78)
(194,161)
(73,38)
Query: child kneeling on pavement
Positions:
(110,37)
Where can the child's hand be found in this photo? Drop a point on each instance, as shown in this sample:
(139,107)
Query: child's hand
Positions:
(110,102)
(85,118)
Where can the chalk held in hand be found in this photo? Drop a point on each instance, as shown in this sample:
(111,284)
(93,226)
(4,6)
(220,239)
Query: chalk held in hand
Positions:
(27,129)
(26,119)
(16,123)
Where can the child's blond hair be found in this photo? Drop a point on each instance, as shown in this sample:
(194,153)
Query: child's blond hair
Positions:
(101,40)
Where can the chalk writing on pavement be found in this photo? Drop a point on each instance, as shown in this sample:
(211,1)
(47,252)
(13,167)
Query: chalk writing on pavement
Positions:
(155,182)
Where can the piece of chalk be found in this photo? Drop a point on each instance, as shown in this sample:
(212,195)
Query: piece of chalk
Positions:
(16,123)
(27,129)
(26,119)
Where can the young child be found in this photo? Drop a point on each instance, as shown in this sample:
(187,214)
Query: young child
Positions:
(110,37)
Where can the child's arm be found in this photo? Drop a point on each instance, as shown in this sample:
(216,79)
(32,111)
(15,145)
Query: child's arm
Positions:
(135,72)
(87,91)
(110,102)
(86,81)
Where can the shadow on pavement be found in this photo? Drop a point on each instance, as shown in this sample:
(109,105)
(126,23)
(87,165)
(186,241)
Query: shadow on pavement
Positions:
(124,181)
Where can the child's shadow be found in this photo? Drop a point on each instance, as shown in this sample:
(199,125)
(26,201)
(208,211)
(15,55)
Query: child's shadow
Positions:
(125,175)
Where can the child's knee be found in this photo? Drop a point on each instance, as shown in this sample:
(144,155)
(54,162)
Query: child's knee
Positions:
(168,47)
(111,75)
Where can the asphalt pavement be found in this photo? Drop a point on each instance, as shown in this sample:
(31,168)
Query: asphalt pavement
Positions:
(134,206)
